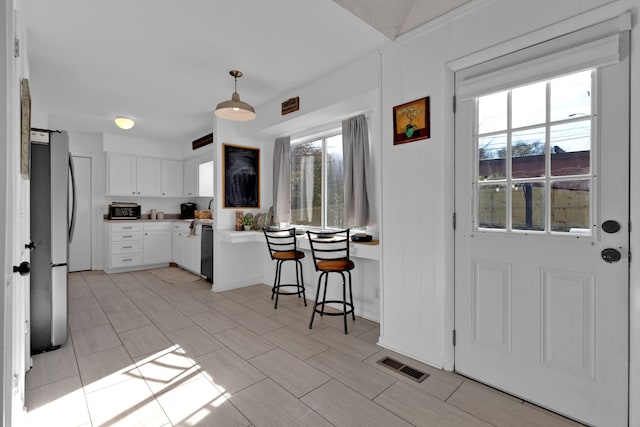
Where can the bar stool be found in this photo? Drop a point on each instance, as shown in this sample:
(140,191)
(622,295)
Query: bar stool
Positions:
(283,247)
(330,252)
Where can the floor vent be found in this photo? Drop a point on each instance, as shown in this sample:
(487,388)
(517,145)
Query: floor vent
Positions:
(405,370)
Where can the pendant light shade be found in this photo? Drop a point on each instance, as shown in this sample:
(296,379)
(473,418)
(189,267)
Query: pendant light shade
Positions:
(234,109)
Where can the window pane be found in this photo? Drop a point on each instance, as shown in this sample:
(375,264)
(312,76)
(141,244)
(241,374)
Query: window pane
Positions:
(528,105)
(527,206)
(570,201)
(527,153)
(335,183)
(492,163)
(571,148)
(492,206)
(571,96)
(205,179)
(306,183)
(492,113)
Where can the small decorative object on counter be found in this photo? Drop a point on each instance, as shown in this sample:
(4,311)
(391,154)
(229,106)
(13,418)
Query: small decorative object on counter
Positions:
(239,218)
(248,221)
(160,215)
(268,221)
(258,221)
(152,214)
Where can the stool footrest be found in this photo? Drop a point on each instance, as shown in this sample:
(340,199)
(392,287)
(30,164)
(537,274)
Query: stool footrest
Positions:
(341,313)
(289,285)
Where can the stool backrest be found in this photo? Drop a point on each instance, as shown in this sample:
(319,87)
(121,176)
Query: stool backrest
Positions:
(329,245)
(280,240)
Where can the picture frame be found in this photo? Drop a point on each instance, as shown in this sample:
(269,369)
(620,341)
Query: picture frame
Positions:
(25,129)
(241,173)
(411,121)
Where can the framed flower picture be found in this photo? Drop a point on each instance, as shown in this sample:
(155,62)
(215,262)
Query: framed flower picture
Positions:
(411,121)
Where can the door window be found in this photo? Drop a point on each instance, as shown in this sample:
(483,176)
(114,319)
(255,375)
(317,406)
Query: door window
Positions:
(534,147)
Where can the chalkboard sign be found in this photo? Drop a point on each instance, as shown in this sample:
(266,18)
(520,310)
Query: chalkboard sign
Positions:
(241,176)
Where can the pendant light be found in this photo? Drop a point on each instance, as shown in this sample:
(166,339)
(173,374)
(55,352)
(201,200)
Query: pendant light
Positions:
(234,109)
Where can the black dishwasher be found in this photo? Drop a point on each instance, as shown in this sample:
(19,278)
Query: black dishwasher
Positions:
(206,258)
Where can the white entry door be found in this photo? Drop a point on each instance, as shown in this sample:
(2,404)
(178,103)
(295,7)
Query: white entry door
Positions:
(542,241)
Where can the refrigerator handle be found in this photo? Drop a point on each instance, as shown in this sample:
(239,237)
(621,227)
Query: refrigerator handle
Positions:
(72,224)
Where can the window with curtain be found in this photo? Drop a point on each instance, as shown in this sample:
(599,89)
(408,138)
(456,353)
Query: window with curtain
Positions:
(317,184)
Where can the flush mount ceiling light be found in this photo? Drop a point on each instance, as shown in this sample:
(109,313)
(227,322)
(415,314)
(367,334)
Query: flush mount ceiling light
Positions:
(234,109)
(124,123)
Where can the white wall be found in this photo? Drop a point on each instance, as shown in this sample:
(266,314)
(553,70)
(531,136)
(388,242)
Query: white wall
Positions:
(417,307)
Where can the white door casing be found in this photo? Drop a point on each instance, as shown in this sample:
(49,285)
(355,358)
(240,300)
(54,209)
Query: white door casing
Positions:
(542,315)
(14,229)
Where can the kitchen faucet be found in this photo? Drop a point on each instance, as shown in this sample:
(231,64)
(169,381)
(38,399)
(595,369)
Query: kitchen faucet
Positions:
(210,201)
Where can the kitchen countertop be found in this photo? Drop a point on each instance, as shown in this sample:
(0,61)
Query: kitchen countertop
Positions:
(146,220)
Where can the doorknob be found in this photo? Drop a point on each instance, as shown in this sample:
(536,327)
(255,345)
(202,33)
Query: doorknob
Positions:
(610,255)
(611,226)
(31,245)
(23,268)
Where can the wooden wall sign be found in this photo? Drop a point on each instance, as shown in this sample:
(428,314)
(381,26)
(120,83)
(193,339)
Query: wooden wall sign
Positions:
(291,105)
(201,142)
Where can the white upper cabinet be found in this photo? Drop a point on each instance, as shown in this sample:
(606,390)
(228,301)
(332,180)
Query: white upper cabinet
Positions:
(149,176)
(172,178)
(144,176)
(191,177)
(121,175)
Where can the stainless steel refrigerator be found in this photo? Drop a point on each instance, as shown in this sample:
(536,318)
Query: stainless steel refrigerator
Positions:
(51,230)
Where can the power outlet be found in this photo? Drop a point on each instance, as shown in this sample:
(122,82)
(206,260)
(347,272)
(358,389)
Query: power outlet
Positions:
(377,291)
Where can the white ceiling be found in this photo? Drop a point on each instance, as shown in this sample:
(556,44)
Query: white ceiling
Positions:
(165,63)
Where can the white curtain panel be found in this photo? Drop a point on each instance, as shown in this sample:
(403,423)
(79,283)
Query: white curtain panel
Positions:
(356,164)
(282,181)
(306,168)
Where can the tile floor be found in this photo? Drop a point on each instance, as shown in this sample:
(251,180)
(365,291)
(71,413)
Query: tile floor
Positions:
(145,352)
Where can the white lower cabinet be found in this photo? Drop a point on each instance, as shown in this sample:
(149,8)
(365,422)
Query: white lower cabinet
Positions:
(138,245)
(157,243)
(124,245)
(186,246)
(193,263)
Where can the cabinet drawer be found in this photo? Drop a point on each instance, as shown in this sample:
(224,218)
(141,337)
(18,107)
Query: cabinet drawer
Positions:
(158,226)
(182,226)
(126,227)
(126,236)
(126,247)
(126,260)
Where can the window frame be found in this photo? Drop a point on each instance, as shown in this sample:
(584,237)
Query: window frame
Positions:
(547,179)
(323,136)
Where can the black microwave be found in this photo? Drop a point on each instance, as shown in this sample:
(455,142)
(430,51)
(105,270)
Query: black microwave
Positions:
(120,210)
